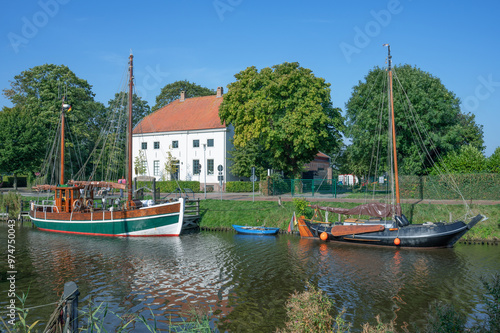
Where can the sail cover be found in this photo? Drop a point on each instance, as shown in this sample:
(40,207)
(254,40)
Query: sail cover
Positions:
(371,209)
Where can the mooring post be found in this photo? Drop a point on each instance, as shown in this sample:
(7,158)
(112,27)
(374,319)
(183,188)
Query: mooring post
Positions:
(71,309)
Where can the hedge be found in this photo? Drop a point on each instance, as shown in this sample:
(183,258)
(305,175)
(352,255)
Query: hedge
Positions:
(235,187)
(171,186)
(479,186)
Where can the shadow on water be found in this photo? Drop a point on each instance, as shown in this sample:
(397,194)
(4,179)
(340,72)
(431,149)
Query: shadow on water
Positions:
(245,280)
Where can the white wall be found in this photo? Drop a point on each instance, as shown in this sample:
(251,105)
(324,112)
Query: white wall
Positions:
(186,153)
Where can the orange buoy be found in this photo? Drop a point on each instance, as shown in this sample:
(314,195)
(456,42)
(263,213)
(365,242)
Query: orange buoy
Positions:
(397,241)
(323,236)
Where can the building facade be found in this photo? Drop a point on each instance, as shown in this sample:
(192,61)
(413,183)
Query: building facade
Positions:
(185,140)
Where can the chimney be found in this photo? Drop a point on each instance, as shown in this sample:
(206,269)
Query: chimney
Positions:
(183,96)
(220,92)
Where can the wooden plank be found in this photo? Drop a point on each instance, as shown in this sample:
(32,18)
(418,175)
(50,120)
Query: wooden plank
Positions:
(343,230)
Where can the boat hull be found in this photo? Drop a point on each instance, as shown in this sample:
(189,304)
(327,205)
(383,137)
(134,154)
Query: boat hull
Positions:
(159,220)
(255,230)
(419,235)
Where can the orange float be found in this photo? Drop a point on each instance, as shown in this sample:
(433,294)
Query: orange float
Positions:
(397,241)
(323,236)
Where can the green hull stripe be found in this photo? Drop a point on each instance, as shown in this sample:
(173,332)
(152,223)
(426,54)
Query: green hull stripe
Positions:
(115,227)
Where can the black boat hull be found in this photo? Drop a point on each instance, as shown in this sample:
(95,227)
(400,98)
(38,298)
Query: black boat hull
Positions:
(418,235)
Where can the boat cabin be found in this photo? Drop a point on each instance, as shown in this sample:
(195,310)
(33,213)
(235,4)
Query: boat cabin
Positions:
(70,198)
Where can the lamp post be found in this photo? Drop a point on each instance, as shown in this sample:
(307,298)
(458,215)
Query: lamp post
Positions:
(205,173)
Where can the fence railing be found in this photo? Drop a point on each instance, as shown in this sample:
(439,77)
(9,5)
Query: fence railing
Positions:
(445,187)
(305,187)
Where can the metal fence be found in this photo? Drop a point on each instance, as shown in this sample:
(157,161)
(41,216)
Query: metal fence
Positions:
(306,187)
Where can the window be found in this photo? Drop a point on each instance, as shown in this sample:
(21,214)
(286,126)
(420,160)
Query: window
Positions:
(175,144)
(210,142)
(156,168)
(156,145)
(210,167)
(196,167)
(174,172)
(144,145)
(196,143)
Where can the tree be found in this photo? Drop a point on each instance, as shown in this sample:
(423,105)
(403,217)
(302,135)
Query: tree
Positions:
(40,90)
(140,163)
(493,161)
(284,109)
(243,158)
(115,127)
(172,91)
(119,104)
(442,127)
(468,159)
(20,141)
(171,166)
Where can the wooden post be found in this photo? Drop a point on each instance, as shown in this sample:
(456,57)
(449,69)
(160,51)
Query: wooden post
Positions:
(71,294)
(154,190)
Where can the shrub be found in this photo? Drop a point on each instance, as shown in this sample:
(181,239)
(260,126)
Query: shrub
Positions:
(309,311)
(171,186)
(443,318)
(300,205)
(12,200)
(492,300)
(240,187)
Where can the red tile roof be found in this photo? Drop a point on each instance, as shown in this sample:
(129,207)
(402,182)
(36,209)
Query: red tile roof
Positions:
(193,114)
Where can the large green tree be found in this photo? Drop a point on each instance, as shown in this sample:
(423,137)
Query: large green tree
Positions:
(39,92)
(286,110)
(119,104)
(115,126)
(429,122)
(21,141)
(172,91)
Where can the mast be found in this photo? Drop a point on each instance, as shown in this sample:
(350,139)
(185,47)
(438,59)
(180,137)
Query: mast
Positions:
(129,133)
(393,126)
(61,169)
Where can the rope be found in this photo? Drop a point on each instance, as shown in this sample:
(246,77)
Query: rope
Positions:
(33,307)
(56,320)
(420,142)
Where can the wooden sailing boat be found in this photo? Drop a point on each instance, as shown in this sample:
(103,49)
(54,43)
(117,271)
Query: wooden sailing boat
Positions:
(74,210)
(388,226)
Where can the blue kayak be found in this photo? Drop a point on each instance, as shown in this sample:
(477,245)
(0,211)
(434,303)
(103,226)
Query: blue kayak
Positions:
(255,230)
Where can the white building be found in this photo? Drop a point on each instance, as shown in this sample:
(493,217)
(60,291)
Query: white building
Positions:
(348,179)
(190,131)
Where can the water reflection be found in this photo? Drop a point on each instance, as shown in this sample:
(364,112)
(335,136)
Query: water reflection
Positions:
(246,280)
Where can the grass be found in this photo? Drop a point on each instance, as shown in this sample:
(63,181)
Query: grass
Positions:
(216,213)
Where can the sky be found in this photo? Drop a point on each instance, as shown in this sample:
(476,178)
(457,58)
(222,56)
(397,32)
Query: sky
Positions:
(208,41)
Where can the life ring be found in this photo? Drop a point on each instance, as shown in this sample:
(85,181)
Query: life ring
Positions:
(90,203)
(77,205)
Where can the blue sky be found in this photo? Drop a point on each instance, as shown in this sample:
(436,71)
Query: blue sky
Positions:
(208,41)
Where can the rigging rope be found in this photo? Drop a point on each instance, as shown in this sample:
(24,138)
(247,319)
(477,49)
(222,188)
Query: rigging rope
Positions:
(420,142)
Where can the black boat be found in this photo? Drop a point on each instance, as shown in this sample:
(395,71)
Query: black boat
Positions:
(387,225)
(386,232)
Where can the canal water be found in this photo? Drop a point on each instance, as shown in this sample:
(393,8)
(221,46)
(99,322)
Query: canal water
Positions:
(244,281)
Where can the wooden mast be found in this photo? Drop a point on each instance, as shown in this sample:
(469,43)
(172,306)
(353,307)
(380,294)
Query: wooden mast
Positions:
(393,126)
(61,169)
(129,133)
